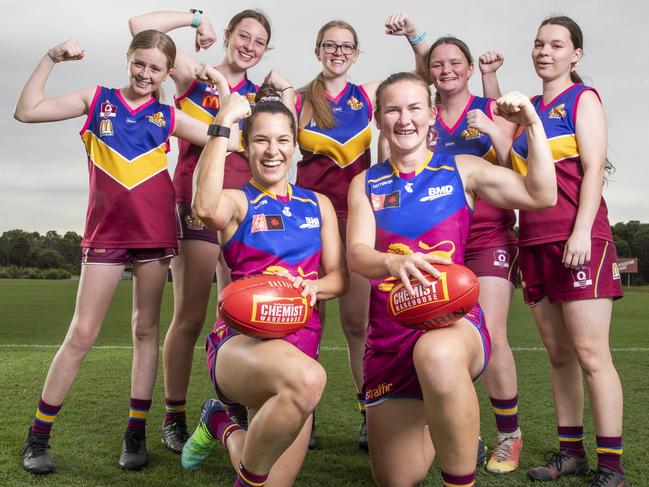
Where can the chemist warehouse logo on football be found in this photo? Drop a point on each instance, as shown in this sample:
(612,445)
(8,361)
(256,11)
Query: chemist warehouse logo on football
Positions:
(438,192)
(265,223)
(278,310)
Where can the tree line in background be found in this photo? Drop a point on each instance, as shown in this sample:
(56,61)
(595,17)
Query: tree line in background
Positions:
(54,256)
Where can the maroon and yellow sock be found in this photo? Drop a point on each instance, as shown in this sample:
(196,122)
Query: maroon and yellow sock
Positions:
(506,412)
(44,417)
(221,426)
(458,480)
(175,412)
(571,439)
(137,414)
(245,478)
(609,452)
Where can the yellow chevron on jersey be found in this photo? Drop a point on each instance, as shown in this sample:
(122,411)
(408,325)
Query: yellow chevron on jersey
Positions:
(562,147)
(342,154)
(129,173)
(196,111)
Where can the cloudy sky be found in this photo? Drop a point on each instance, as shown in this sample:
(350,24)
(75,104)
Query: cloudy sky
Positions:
(43,183)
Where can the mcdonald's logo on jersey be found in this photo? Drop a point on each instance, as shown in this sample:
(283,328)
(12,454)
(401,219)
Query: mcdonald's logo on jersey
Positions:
(211,101)
(105,128)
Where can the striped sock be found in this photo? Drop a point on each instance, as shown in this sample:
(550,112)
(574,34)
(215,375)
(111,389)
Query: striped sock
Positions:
(458,480)
(175,412)
(245,478)
(221,426)
(609,452)
(571,439)
(44,417)
(506,412)
(137,414)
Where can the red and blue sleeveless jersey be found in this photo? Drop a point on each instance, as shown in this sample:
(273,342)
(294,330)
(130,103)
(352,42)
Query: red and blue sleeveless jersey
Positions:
(201,101)
(424,211)
(491,225)
(332,157)
(131,199)
(277,234)
(556,224)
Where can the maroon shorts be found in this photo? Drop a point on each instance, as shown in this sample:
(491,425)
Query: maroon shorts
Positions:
(392,374)
(500,261)
(307,340)
(544,275)
(94,255)
(189,227)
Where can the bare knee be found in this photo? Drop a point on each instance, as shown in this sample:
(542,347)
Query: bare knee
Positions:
(81,338)
(560,356)
(306,387)
(355,327)
(144,329)
(441,366)
(592,359)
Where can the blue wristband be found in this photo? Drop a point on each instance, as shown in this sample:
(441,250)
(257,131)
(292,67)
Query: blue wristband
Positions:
(418,39)
(197,17)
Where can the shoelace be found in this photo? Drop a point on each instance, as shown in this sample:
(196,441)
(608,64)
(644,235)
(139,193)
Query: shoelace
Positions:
(600,477)
(555,460)
(505,448)
(37,446)
(132,442)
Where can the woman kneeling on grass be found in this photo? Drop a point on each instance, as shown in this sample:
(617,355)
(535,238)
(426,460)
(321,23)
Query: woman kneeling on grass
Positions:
(279,381)
(415,378)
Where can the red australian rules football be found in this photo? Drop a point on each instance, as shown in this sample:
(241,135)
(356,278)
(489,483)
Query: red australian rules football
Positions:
(442,303)
(264,306)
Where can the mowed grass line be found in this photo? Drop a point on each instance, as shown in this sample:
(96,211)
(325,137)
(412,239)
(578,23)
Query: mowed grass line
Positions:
(87,436)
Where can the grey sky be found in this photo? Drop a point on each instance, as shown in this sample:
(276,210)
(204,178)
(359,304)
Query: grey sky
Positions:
(43,183)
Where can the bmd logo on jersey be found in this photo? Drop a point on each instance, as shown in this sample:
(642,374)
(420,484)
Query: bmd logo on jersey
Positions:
(558,112)
(265,223)
(278,310)
(581,277)
(438,192)
(107,109)
(381,201)
(311,222)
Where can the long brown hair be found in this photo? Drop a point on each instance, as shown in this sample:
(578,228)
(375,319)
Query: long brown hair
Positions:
(576,36)
(315,106)
(454,41)
(152,39)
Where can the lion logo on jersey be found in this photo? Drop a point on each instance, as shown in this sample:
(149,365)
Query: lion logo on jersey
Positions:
(278,270)
(471,134)
(193,223)
(558,112)
(157,118)
(444,249)
(355,104)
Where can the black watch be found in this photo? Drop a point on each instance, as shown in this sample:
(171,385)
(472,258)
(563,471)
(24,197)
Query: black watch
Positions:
(218,131)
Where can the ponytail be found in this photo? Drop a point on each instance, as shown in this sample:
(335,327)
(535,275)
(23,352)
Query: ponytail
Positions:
(315,106)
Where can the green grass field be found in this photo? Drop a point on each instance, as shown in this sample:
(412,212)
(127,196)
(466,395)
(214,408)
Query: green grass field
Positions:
(87,435)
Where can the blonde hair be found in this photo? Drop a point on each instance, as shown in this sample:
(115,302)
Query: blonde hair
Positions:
(314,103)
(150,39)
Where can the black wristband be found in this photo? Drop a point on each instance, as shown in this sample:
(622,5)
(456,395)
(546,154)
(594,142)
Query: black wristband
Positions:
(215,130)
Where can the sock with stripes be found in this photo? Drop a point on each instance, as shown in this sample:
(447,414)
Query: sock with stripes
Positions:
(175,412)
(458,480)
(44,417)
(609,452)
(571,439)
(221,426)
(361,403)
(246,478)
(137,414)
(506,412)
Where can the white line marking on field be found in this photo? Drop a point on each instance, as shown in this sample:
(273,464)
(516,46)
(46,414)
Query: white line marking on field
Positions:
(325,349)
